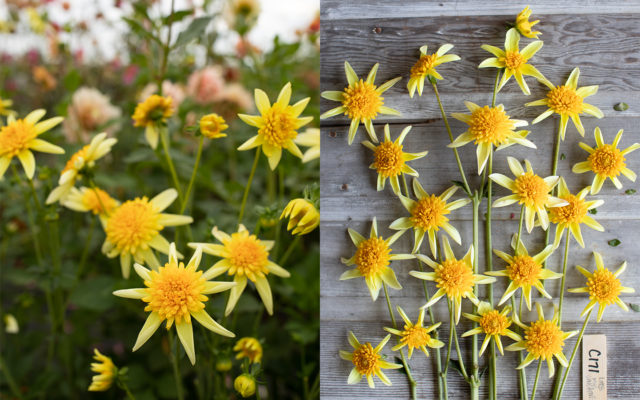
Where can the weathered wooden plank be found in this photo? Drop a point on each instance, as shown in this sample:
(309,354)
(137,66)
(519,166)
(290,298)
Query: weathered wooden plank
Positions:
(339,9)
(570,41)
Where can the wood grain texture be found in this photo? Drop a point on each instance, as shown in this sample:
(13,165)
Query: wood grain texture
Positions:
(605,45)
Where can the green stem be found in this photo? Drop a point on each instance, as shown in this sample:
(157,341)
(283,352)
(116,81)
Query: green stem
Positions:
(164,138)
(455,340)
(493,379)
(173,357)
(493,371)
(165,54)
(412,381)
(290,248)
(474,378)
(123,385)
(565,258)
(194,173)
(522,375)
(87,248)
(495,88)
(4,367)
(535,382)
(554,170)
(558,396)
(248,187)
(519,235)
(32,222)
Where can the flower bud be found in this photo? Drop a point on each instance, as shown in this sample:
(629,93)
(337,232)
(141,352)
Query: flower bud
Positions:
(245,384)
(302,215)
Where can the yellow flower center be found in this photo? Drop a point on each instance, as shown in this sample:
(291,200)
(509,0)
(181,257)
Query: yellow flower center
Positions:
(362,100)
(388,159)
(604,286)
(174,292)
(513,60)
(415,337)
(429,213)
(524,271)
(572,213)
(607,161)
(77,160)
(98,201)
(372,256)
(279,125)
(16,137)
(532,189)
(490,125)
(133,225)
(494,323)
(154,109)
(564,100)
(424,65)
(455,277)
(543,339)
(365,359)
(247,256)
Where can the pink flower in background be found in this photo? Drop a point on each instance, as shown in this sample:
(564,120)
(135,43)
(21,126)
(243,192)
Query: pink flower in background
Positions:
(169,89)
(130,74)
(206,85)
(88,111)
(237,94)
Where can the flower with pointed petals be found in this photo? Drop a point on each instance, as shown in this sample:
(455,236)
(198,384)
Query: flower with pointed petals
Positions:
(212,126)
(372,259)
(20,137)
(543,339)
(277,124)
(530,190)
(524,271)
(454,278)
(245,257)
(367,361)
(603,287)
(250,348)
(524,26)
(303,216)
(93,200)
(514,62)
(493,324)
(84,158)
(415,336)
(575,213)
(311,139)
(390,161)
(426,67)
(133,230)
(568,102)
(105,371)
(428,215)
(606,161)
(488,127)
(176,293)
(152,113)
(361,101)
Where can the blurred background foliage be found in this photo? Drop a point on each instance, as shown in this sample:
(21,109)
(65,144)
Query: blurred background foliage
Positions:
(202,80)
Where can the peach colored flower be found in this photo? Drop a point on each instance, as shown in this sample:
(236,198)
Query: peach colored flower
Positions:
(88,111)
(236,93)
(206,85)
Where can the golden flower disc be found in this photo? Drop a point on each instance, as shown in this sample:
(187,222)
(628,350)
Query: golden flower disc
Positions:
(490,125)
(75,159)
(513,60)
(604,286)
(429,213)
(279,125)
(133,225)
(607,160)
(98,201)
(532,189)
(543,339)
(362,100)
(174,292)
(365,359)
(524,271)
(572,213)
(388,160)
(564,100)
(16,137)
(415,337)
(493,323)
(454,277)
(247,256)
(423,65)
(372,256)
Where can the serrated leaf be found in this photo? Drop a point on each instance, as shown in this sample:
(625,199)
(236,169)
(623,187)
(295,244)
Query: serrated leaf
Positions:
(195,29)
(621,107)
(634,307)
(614,242)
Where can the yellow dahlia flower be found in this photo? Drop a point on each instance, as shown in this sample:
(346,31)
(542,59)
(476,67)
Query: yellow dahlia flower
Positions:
(133,230)
(530,190)
(415,336)
(152,113)
(454,278)
(20,136)
(390,161)
(250,348)
(524,26)
(542,339)
(606,161)
(524,271)
(428,215)
(277,124)
(493,324)
(575,213)
(245,385)
(212,126)
(372,259)
(106,372)
(603,287)
(568,102)
(367,361)
(245,257)
(176,293)
(311,139)
(426,67)
(93,200)
(5,105)
(83,158)
(303,216)
(514,62)
(361,101)
(488,127)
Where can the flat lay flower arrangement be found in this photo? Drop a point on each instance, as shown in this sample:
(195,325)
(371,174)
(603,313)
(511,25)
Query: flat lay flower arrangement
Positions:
(170,235)
(543,204)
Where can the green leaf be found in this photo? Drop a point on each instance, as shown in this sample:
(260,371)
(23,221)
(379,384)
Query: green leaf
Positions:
(94,294)
(621,107)
(141,30)
(562,156)
(593,211)
(176,16)
(614,242)
(635,307)
(194,30)
(455,364)
(461,185)
(630,191)
(72,80)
